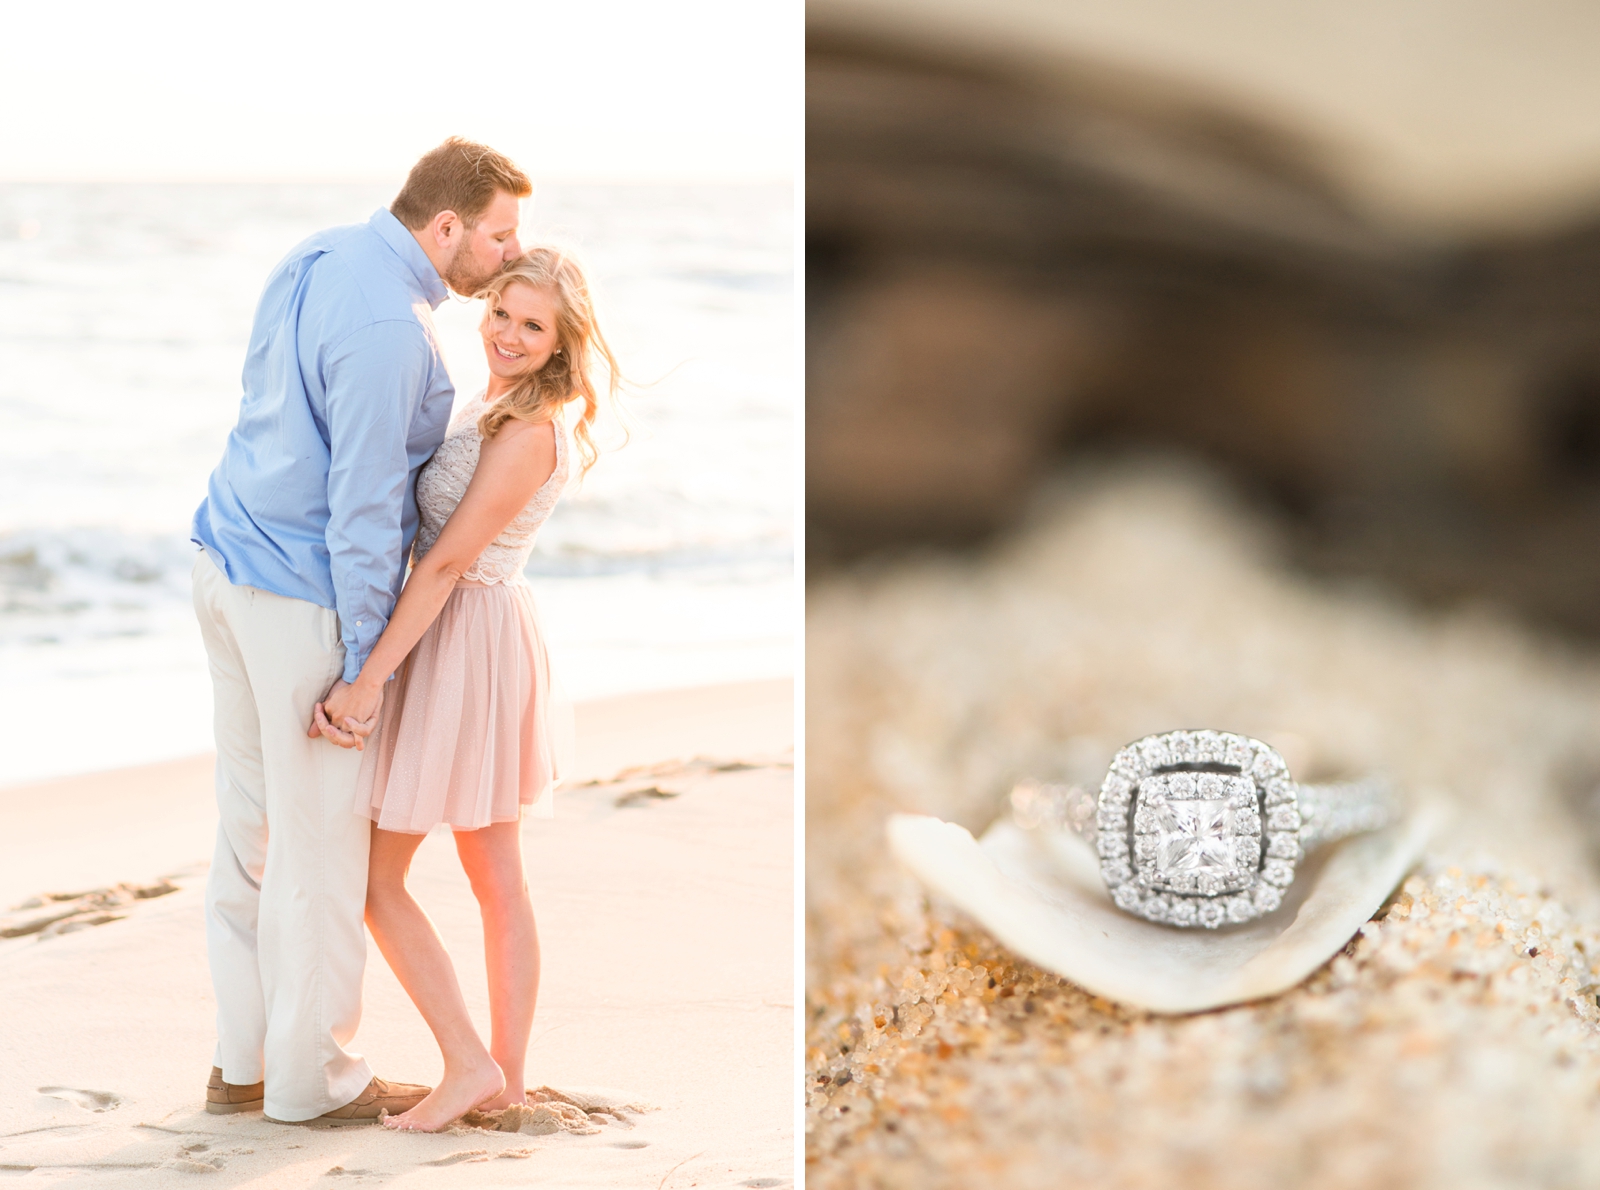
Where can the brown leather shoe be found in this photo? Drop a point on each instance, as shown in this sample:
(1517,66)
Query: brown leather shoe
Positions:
(380,1096)
(224,1098)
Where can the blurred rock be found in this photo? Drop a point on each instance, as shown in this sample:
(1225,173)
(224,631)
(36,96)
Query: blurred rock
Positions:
(1011,260)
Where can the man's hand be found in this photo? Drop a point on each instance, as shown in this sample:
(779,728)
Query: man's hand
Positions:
(347,715)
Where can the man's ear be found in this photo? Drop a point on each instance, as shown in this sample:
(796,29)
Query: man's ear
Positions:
(446,227)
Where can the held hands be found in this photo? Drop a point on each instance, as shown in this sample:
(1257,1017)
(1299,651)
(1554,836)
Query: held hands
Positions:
(347,715)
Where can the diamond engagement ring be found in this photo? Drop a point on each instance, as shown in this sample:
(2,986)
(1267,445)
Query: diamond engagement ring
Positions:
(1202,828)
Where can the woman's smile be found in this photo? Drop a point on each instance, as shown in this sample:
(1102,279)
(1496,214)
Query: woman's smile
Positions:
(507,355)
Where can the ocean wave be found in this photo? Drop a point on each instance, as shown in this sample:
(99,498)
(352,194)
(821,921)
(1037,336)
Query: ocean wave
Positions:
(756,561)
(68,586)
(748,281)
(72,586)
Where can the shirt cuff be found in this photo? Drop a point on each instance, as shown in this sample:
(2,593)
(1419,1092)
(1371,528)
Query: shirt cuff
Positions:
(358,644)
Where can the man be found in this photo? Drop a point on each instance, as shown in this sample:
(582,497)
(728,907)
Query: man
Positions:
(305,529)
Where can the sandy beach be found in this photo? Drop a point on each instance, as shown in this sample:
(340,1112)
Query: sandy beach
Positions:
(1454,1041)
(664,899)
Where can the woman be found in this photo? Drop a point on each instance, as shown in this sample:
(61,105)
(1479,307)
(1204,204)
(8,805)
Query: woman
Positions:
(465,738)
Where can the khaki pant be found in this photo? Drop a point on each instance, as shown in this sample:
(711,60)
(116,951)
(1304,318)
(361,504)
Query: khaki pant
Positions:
(288,883)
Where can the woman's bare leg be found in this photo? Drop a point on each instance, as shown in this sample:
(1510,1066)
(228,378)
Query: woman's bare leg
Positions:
(419,960)
(492,858)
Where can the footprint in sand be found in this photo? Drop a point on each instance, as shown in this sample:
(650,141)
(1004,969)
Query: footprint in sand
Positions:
(200,1157)
(458,1158)
(89,1100)
(192,1165)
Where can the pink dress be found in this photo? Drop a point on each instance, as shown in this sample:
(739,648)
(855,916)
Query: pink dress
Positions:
(465,737)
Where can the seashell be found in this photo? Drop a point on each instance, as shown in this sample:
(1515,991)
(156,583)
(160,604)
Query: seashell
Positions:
(1039,893)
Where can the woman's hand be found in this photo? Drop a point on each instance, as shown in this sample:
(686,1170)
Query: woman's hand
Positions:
(348,714)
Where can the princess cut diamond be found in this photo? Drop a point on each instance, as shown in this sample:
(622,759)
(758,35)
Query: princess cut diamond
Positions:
(1193,836)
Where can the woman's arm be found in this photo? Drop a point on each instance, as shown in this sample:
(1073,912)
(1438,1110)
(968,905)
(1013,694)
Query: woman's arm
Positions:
(512,466)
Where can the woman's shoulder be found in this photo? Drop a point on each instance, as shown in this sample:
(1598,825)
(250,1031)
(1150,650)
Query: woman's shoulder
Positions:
(516,429)
(533,444)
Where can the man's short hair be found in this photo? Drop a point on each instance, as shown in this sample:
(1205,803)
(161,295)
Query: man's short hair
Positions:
(459,176)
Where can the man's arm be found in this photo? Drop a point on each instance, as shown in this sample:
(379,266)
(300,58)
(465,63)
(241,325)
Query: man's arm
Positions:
(375,381)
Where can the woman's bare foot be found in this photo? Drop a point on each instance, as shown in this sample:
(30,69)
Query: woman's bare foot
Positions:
(505,1099)
(456,1095)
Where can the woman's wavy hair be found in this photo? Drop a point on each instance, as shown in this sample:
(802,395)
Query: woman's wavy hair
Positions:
(568,375)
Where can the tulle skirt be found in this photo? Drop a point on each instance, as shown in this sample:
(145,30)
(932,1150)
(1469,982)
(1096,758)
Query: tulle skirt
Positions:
(469,734)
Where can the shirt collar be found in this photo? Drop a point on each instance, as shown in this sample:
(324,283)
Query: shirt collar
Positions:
(398,237)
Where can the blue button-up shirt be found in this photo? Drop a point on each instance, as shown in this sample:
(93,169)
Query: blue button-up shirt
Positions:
(345,397)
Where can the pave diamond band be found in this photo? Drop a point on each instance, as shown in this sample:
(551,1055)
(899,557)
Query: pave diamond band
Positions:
(1202,828)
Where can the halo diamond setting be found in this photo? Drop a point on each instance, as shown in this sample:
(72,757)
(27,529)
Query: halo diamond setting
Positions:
(1203,829)
(1197,828)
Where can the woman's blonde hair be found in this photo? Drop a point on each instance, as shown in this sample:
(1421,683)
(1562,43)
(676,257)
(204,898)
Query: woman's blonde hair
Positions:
(568,375)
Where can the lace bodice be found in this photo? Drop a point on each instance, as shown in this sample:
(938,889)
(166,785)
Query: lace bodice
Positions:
(443,481)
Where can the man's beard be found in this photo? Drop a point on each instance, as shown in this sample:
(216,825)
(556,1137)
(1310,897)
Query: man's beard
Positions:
(458,272)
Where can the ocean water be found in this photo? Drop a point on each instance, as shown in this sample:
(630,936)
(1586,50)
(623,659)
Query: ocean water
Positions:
(124,313)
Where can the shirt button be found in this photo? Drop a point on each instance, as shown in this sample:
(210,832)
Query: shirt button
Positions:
(358,623)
